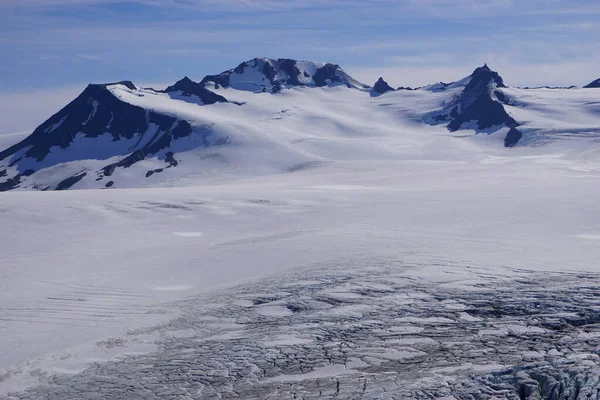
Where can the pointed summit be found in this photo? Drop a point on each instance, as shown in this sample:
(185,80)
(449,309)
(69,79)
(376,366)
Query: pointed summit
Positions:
(181,84)
(592,85)
(188,88)
(485,76)
(186,80)
(380,88)
(480,106)
(482,77)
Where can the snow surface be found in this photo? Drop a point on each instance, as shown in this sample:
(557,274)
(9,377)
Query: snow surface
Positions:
(82,266)
(306,128)
(320,188)
(551,114)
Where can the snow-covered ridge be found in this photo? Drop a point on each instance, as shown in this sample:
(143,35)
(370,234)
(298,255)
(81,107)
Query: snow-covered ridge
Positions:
(479,106)
(100,125)
(271,116)
(273,75)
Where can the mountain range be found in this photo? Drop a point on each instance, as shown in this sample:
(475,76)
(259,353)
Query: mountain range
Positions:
(277,115)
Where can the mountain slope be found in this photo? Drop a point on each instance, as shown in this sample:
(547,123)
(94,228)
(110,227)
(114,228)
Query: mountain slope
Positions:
(594,84)
(479,106)
(99,125)
(279,116)
(188,88)
(380,88)
(270,75)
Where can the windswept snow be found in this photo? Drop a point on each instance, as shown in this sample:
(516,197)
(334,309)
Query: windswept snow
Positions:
(551,114)
(81,267)
(247,133)
(316,243)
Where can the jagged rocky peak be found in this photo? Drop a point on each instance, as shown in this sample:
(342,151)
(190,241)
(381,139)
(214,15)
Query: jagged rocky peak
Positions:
(273,75)
(483,83)
(381,87)
(485,77)
(480,106)
(187,87)
(482,77)
(593,85)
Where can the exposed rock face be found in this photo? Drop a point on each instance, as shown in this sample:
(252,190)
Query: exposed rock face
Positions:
(118,124)
(595,84)
(187,87)
(94,112)
(98,125)
(479,102)
(380,88)
(270,75)
(480,106)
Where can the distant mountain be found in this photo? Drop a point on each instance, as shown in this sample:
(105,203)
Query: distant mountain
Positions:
(479,106)
(119,135)
(188,88)
(380,88)
(270,75)
(100,125)
(595,84)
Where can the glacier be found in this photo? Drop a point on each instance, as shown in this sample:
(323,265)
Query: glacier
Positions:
(318,242)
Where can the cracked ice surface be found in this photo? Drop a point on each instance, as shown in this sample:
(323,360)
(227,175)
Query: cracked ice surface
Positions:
(369,328)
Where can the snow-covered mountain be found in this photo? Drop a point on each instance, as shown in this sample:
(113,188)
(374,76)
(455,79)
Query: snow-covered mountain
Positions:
(101,125)
(269,75)
(274,116)
(479,106)
(387,239)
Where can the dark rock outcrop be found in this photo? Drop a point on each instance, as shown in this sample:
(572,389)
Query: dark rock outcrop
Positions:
(480,106)
(189,88)
(179,129)
(273,75)
(380,88)
(593,85)
(94,112)
(67,183)
(128,131)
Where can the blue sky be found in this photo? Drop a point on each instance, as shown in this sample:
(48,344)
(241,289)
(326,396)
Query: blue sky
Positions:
(55,45)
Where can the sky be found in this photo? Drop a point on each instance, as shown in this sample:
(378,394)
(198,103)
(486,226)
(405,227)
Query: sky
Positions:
(53,48)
